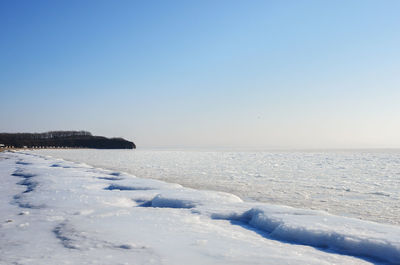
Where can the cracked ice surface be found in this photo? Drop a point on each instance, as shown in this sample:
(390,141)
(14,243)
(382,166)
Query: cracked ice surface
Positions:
(72,213)
(362,184)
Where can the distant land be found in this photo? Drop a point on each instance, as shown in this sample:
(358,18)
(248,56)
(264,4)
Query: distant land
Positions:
(62,139)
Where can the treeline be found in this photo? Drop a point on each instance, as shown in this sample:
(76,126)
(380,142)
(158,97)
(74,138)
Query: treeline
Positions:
(47,135)
(57,139)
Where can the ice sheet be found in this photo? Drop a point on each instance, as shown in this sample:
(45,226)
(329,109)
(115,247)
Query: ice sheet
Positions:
(363,184)
(59,212)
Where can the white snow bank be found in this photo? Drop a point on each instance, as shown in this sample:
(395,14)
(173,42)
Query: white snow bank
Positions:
(189,198)
(86,213)
(306,227)
(344,235)
(360,184)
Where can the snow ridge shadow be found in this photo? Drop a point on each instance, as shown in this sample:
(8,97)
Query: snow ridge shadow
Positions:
(21,162)
(67,242)
(58,165)
(328,242)
(30,187)
(277,229)
(161,202)
(73,239)
(110,178)
(122,187)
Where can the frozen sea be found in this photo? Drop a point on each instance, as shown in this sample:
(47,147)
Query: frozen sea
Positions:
(54,211)
(364,184)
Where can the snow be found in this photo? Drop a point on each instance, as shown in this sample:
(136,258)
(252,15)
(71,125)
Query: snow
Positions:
(364,184)
(59,212)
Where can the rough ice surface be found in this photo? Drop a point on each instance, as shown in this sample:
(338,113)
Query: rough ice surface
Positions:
(362,184)
(59,212)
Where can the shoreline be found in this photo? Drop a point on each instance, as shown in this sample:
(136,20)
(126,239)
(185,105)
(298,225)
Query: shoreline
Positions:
(341,184)
(157,200)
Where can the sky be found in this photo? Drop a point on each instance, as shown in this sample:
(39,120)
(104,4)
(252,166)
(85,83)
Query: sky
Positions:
(204,74)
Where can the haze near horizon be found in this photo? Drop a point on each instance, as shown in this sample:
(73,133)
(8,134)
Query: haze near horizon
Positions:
(270,74)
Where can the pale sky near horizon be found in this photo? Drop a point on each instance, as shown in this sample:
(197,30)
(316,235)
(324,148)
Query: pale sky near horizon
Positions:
(272,74)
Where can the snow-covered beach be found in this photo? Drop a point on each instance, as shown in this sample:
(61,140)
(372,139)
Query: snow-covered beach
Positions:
(59,212)
(362,184)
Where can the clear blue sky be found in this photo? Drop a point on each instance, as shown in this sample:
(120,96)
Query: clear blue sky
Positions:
(291,74)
